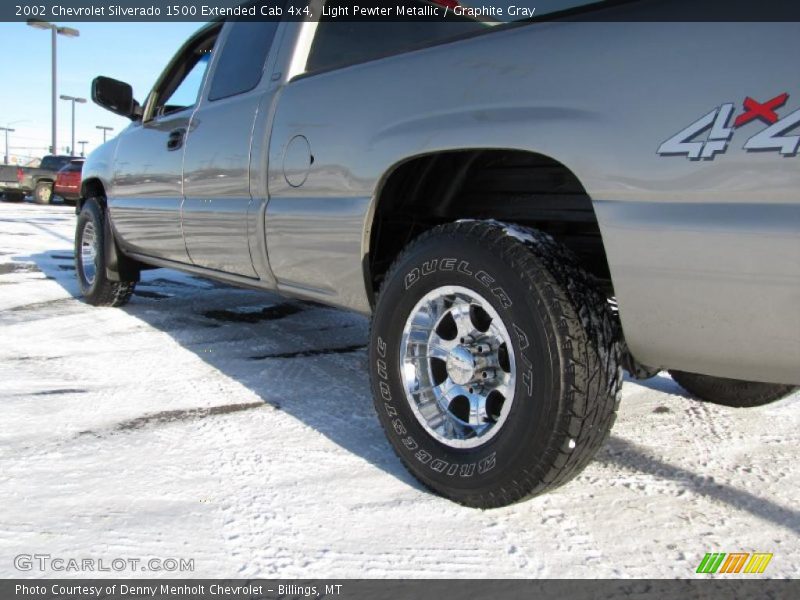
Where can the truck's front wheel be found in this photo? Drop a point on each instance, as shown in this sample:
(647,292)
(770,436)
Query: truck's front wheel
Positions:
(90,264)
(494,363)
(731,392)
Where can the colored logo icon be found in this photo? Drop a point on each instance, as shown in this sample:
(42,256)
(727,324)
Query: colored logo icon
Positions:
(735,562)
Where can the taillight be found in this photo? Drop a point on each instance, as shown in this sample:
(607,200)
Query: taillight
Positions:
(68,179)
(20,175)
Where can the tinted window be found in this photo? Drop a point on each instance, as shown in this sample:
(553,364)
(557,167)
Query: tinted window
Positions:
(341,43)
(242,61)
(53,163)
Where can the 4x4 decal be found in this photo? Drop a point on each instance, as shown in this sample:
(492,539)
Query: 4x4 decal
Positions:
(717,125)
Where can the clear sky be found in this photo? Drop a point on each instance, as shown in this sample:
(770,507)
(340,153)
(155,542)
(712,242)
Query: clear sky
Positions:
(132,52)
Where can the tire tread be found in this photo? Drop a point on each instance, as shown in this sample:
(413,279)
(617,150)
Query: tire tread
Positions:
(589,342)
(105,292)
(730,392)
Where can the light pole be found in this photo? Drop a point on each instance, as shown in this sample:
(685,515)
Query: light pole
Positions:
(73,99)
(55,32)
(83,147)
(7,131)
(105,130)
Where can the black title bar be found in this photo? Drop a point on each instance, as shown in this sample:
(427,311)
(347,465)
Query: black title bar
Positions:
(488,11)
(730,588)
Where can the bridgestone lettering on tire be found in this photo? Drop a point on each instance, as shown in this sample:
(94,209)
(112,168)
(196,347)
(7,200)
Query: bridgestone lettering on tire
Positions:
(90,265)
(479,424)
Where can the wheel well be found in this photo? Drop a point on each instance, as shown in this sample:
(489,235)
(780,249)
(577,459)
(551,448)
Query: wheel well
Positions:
(90,188)
(119,266)
(512,186)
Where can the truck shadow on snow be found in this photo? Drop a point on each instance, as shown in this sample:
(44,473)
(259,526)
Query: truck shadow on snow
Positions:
(310,362)
(301,358)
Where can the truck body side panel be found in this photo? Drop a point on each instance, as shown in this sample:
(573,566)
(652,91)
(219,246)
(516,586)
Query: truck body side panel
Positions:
(696,290)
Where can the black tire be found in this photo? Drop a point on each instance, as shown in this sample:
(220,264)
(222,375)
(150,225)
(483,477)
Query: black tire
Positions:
(731,392)
(96,288)
(567,340)
(13,197)
(43,193)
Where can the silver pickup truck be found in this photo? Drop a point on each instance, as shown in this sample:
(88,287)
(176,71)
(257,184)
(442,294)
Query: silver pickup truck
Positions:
(525,210)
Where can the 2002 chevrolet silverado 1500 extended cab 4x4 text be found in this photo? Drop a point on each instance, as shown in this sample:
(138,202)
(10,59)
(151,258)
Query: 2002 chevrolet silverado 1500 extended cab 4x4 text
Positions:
(524,210)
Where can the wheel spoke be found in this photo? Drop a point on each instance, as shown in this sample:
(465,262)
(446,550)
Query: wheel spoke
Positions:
(464,324)
(437,351)
(436,308)
(502,385)
(477,410)
(441,344)
(442,392)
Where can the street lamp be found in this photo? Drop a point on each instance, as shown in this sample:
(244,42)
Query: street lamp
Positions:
(73,99)
(55,31)
(7,131)
(83,147)
(105,130)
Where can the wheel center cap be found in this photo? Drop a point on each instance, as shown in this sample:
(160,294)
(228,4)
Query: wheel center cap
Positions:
(460,365)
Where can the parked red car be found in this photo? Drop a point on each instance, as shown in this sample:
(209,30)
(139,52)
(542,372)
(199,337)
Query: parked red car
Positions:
(68,181)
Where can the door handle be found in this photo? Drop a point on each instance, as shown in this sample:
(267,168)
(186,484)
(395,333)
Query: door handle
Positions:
(175,139)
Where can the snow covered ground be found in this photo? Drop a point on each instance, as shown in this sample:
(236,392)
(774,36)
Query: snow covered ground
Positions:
(236,428)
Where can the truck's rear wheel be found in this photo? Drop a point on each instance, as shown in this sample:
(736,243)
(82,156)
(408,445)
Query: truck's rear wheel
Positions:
(731,392)
(494,363)
(43,193)
(90,264)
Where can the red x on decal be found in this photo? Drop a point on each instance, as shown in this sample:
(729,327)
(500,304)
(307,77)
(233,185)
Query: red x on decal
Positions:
(761,110)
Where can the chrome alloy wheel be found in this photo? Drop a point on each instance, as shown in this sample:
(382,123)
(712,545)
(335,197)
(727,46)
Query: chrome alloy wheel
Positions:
(457,366)
(89,252)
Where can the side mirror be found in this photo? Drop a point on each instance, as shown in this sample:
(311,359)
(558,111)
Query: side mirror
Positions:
(116,96)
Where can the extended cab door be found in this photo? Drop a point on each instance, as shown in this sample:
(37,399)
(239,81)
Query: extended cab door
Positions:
(147,187)
(218,205)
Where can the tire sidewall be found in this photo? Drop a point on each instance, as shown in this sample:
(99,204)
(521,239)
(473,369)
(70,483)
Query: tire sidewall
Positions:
(530,425)
(89,213)
(39,191)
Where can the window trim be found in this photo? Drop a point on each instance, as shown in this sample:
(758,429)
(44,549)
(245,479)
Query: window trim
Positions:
(169,79)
